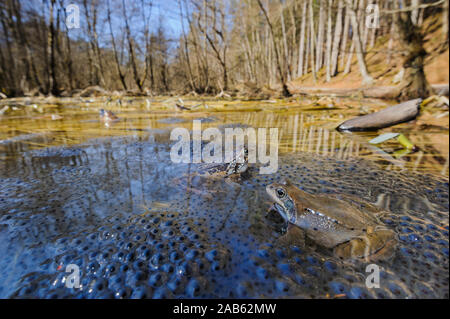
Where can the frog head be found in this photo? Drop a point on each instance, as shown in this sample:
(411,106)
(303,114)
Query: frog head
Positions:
(284,200)
(240,163)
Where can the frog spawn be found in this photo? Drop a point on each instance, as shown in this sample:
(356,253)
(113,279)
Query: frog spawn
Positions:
(155,256)
(254,263)
(420,266)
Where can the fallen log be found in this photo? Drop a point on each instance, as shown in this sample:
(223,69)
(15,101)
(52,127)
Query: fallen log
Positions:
(387,117)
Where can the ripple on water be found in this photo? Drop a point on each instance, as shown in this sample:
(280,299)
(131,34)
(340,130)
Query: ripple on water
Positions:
(120,212)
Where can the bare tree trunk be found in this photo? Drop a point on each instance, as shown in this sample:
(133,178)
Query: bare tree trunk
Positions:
(146,39)
(221,33)
(390,42)
(337,37)
(320,36)
(415,12)
(68,56)
(359,5)
(414,84)
(293,55)
(328,48)
(312,37)
(373,32)
(186,50)
(249,53)
(367,79)
(134,68)
(53,84)
(445,21)
(344,38)
(96,59)
(364,30)
(308,47)
(301,48)
(286,63)
(11,61)
(285,89)
(30,67)
(116,56)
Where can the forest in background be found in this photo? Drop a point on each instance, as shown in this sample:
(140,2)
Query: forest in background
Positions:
(223,45)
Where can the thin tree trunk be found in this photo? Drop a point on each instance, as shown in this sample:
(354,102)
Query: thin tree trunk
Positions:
(94,55)
(221,58)
(11,61)
(320,36)
(328,48)
(293,56)
(286,63)
(186,50)
(53,84)
(391,36)
(358,4)
(131,49)
(373,32)
(146,40)
(364,30)
(68,56)
(301,48)
(312,37)
(116,56)
(285,89)
(337,37)
(415,12)
(445,21)
(367,79)
(345,37)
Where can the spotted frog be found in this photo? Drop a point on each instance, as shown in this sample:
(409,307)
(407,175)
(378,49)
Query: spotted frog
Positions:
(235,169)
(204,180)
(334,223)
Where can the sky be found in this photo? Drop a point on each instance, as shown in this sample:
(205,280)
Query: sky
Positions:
(169,9)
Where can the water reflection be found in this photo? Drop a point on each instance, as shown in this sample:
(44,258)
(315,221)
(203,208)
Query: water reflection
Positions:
(301,129)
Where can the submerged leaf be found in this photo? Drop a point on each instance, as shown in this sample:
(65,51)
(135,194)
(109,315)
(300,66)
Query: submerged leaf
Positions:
(402,139)
(383,138)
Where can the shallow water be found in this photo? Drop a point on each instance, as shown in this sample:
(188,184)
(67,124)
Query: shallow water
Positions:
(109,200)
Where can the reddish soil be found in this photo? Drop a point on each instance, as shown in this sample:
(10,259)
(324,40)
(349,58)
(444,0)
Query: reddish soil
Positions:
(436,64)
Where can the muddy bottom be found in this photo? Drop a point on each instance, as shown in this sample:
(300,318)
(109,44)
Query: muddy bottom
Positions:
(138,225)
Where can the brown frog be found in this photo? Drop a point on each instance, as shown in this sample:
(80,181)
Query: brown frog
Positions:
(233,170)
(334,223)
(210,174)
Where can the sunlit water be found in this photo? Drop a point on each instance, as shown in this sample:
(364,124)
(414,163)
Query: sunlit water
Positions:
(109,199)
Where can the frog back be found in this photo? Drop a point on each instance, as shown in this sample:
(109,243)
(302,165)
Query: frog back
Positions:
(331,221)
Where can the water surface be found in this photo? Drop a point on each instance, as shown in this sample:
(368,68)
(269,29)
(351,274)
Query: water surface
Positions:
(108,199)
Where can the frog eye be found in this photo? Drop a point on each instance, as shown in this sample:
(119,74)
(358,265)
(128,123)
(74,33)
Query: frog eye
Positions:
(281,193)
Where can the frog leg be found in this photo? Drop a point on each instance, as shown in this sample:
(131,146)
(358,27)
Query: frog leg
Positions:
(285,228)
(388,240)
(294,236)
(375,244)
(359,204)
(232,180)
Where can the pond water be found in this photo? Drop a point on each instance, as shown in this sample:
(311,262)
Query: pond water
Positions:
(108,199)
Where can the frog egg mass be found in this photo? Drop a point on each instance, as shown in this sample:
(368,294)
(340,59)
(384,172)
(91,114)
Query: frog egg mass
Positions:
(133,234)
